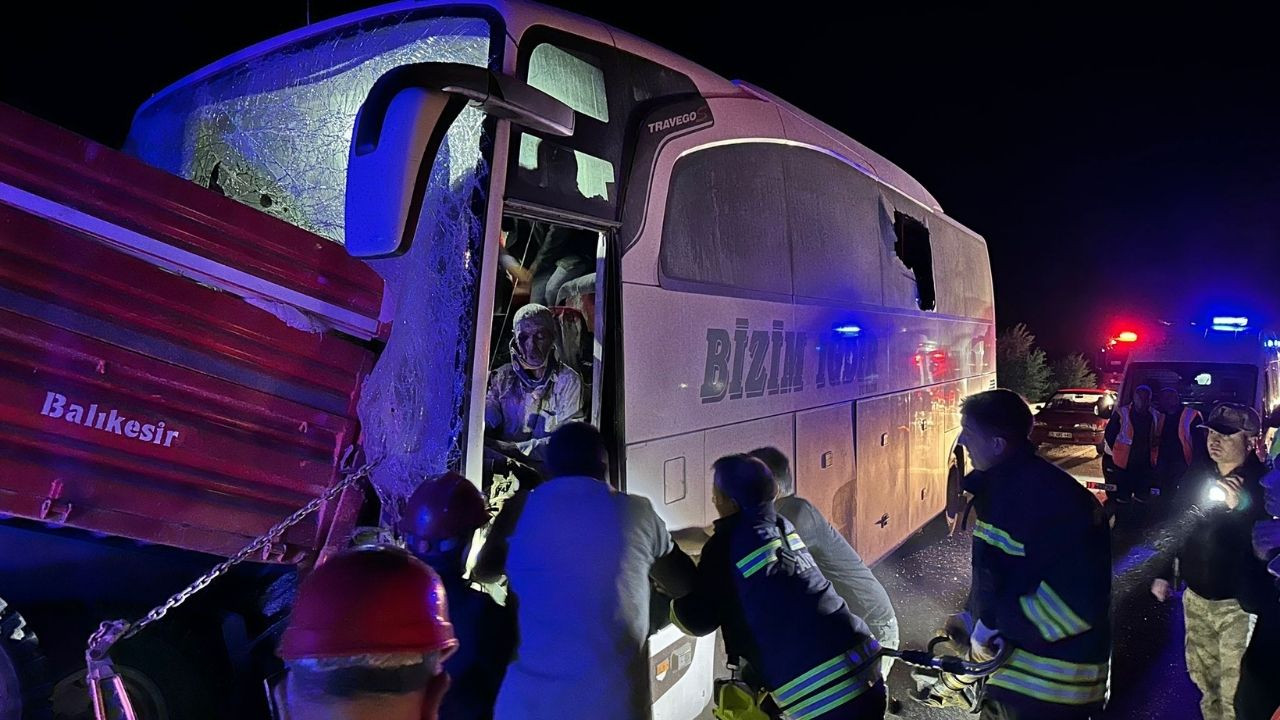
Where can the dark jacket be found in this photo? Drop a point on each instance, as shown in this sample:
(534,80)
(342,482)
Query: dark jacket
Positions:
(759,583)
(1214,544)
(486,633)
(1042,578)
(839,562)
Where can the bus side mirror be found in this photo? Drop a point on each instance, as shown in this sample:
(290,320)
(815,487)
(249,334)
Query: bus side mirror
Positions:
(397,137)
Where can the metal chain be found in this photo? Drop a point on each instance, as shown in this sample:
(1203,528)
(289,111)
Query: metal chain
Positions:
(114,630)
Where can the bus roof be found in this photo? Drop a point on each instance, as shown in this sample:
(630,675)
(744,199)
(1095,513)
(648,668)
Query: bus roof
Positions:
(519,16)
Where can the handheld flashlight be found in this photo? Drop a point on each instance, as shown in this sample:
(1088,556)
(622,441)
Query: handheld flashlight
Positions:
(1216,494)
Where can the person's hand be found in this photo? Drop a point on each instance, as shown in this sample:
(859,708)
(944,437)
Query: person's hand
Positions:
(1161,589)
(984,643)
(691,540)
(1232,484)
(505,447)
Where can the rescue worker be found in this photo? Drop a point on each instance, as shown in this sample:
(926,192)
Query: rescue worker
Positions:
(529,397)
(1132,447)
(836,558)
(367,640)
(1041,570)
(580,565)
(438,523)
(760,585)
(1210,537)
(1177,442)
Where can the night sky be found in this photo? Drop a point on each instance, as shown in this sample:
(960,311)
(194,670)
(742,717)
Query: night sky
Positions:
(1120,166)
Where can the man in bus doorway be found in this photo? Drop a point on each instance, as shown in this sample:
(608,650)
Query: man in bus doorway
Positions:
(1211,539)
(1132,448)
(1041,570)
(532,395)
(1178,444)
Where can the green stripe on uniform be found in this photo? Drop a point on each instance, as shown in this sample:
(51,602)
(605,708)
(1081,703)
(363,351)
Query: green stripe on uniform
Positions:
(1035,612)
(1048,690)
(999,539)
(1061,612)
(1061,670)
(761,564)
(782,692)
(755,554)
(844,692)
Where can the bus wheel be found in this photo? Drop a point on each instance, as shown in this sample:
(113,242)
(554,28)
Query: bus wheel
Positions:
(24,690)
(162,681)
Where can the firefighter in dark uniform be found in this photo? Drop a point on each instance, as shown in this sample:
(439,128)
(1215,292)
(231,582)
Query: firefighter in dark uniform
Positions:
(758,582)
(1041,570)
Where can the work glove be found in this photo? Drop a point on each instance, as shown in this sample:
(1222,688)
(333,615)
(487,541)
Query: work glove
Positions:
(984,643)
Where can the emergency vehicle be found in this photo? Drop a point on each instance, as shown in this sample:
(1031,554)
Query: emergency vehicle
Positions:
(295,264)
(1225,360)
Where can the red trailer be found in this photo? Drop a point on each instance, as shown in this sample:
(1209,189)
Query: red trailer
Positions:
(156,406)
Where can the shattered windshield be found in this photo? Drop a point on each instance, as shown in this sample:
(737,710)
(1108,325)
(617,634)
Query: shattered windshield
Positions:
(273,131)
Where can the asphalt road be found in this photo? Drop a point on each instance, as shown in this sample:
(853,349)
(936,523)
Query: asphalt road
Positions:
(928,579)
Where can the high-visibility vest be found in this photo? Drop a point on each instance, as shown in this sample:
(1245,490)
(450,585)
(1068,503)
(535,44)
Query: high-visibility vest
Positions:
(1124,441)
(1187,419)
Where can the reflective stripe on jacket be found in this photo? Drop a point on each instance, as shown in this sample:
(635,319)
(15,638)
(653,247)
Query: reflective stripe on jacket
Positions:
(758,582)
(1124,441)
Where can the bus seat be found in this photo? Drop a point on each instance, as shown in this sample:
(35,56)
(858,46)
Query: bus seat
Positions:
(574,345)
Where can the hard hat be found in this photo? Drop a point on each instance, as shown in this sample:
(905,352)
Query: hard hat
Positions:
(445,506)
(367,601)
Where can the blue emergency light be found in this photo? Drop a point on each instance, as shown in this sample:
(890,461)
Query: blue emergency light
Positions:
(1232,322)
(848,331)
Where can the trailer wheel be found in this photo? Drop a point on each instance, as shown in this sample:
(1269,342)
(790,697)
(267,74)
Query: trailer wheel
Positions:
(24,687)
(163,683)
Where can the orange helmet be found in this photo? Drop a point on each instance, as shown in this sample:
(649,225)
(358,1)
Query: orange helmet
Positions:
(366,601)
(445,506)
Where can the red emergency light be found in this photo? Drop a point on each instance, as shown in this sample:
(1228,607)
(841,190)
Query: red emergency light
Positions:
(1128,336)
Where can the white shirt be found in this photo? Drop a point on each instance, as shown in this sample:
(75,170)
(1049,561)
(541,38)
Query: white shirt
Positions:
(579,568)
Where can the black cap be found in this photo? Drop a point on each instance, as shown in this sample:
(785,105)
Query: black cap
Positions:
(1231,418)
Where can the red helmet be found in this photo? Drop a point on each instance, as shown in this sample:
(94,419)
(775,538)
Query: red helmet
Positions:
(366,601)
(445,506)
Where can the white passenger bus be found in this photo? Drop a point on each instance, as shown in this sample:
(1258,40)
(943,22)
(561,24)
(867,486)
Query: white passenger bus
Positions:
(759,277)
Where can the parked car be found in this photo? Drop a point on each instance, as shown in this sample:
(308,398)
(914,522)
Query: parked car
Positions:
(1074,417)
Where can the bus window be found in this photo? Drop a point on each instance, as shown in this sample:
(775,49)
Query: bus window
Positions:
(565,172)
(606,88)
(912,246)
(575,80)
(725,222)
(833,222)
